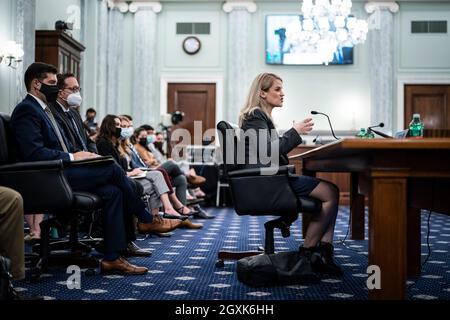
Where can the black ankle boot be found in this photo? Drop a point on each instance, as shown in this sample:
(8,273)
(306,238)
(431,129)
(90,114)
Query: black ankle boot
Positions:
(303,268)
(322,260)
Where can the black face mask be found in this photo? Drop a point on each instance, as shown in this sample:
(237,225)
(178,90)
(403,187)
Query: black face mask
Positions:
(118,132)
(50,92)
(143,142)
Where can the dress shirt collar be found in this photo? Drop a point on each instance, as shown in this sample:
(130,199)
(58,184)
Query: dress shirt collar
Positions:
(62,107)
(41,103)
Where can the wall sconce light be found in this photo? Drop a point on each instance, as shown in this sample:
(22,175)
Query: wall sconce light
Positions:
(11,53)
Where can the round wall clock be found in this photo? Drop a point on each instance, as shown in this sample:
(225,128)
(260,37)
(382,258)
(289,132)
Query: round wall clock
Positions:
(191,45)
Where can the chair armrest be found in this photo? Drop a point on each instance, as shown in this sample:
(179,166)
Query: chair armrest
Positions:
(42,184)
(90,162)
(263,171)
(37,165)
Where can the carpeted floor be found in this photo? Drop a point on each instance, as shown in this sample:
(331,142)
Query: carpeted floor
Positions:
(182,267)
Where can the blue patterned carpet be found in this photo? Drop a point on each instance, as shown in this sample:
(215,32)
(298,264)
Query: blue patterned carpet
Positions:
(182,267)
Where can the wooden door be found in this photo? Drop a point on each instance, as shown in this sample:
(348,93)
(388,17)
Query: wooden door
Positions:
(432,102)
(197,101)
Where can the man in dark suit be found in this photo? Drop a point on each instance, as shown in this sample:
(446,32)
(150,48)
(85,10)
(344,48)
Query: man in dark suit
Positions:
(38,137)
(69,97)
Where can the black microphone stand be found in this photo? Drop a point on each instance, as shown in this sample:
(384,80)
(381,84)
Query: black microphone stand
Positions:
(384,135)
(329,122)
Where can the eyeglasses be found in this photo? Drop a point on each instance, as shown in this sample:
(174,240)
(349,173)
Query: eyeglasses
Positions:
(74,89)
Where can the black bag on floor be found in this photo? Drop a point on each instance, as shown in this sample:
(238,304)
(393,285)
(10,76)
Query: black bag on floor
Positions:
(6,289)
(281,268)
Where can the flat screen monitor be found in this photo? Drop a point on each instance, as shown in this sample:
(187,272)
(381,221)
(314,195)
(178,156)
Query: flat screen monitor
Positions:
(282,51)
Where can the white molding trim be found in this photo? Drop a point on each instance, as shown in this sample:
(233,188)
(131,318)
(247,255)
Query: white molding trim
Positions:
(121,6)
(414,79)
(371,7)
(216,79)
(134,6)
(374,8)
(230,5)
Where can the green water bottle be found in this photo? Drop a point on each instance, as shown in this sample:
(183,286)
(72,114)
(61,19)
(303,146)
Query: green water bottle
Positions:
(361,133)
(416,127)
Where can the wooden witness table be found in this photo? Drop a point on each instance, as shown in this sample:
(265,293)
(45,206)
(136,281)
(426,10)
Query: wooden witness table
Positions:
(400,177)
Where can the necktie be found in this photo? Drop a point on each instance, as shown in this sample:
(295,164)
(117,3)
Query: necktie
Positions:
(56,128)
(77,132)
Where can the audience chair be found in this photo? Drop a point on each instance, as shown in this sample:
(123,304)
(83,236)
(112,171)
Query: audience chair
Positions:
(256,192)
(44,189)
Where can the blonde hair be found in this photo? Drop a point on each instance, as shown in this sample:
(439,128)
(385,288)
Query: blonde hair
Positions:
(262,82)
(123,147)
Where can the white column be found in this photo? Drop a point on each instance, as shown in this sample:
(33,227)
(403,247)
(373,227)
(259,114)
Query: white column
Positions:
(145,108)
(114,60)
(238,55)
(24,35)
(381,61)
(102,45)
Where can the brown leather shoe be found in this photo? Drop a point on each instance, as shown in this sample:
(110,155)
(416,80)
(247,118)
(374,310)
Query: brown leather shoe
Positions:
(158,226)
(188,224)
(121,266)
(195,180)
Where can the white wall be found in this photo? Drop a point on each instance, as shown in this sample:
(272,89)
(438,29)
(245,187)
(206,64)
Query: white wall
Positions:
(50,11)
(342,91)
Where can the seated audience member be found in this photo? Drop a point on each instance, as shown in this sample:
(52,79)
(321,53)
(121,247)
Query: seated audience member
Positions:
(178,178)
(154,139)
(109,144)
(70,121)
(126,150)
(145,141)
(69,96)
(11,240)
(38,138)
(11,231)
(255,119)
(190,173)
(90,125)
(33,221)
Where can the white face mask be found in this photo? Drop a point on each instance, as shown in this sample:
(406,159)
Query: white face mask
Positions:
(74,99)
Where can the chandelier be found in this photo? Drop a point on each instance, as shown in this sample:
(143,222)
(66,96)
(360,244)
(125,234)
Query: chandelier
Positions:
(11,53)
(325,27)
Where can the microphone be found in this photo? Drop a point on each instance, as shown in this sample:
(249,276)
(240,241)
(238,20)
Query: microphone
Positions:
(381,125)
(331,127)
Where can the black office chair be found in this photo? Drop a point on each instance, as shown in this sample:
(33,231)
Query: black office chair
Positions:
(44,189)
(256,192)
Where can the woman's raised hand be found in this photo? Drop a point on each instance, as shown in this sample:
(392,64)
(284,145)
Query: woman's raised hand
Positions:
(303,127)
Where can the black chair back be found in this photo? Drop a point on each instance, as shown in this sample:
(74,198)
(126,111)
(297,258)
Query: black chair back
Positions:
(227,155)
(6,148)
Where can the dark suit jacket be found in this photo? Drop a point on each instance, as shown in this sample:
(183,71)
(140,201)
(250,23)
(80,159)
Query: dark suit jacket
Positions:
(258,120)
(35,138)
(66,124)
(106,148)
